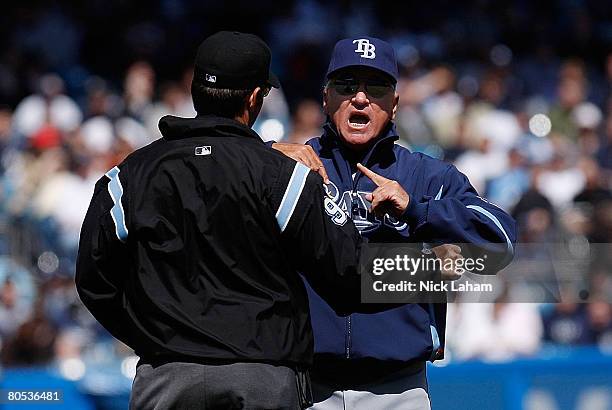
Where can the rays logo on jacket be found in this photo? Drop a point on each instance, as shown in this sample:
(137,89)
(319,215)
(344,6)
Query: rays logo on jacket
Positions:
(356,206)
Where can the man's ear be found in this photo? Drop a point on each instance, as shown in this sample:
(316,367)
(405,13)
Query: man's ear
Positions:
(254,103)
(255,98)
(395,105)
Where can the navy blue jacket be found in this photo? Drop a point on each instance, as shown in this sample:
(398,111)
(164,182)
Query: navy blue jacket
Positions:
(443,208)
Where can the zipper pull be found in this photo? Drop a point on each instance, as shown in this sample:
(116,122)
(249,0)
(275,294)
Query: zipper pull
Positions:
(354,203)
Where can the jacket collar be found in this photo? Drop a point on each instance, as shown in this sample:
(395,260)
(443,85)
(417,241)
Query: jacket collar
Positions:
(174,128)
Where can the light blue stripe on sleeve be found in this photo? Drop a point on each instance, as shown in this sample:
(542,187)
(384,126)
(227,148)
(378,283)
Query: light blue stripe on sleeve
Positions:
(435,340)
(426,246)
(496,222)
(292,195)
(439,195)
(115,189)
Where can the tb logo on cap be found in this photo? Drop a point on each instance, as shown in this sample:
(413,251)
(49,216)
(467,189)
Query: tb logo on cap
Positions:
(365,48)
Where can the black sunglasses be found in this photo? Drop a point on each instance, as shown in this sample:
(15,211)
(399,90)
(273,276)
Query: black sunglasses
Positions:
(350,86)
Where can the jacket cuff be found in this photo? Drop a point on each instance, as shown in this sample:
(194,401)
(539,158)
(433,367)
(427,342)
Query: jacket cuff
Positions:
(416,214)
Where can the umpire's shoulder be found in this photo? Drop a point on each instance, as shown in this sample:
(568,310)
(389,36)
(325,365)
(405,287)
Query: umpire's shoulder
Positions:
(292,181)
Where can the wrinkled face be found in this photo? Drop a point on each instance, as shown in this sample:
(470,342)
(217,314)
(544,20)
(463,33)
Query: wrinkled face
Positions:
(360,101)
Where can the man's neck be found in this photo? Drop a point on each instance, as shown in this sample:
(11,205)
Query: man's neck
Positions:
(243,118)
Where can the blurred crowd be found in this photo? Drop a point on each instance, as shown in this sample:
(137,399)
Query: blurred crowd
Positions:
(531,130)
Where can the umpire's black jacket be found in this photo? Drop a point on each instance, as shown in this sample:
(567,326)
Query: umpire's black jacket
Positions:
(191,246)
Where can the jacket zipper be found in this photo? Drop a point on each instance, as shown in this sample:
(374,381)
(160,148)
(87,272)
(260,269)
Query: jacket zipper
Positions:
(354,179)
(348,336)
(354,183)
(348,318)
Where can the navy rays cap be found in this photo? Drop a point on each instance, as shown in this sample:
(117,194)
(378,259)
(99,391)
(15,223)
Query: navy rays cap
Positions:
(233,60)
(365,52)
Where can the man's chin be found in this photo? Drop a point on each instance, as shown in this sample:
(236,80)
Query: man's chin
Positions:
(355,139)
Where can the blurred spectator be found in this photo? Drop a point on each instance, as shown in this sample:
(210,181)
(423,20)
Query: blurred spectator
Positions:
(100,101)
(561,180)
(482,163)
(174,101)
(50,106)
(441,104)
(508,188)
(307,123)
(587,117)
(32,344)
(567,324)
(62,196)
(486,119)
(98,135)
(494,331)
(5,133)
(571,92)
(13,309)
(600,321)
(595,201)
(604,153)
(139,86)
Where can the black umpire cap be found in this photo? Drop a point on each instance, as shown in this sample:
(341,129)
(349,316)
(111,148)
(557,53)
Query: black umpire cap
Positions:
(233,60)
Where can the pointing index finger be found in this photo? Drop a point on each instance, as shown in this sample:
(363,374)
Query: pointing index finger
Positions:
(377,179)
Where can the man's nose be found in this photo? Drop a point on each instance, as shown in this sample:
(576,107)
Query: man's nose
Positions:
(361,97)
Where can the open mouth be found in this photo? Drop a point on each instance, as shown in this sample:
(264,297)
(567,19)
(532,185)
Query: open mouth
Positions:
(358,120)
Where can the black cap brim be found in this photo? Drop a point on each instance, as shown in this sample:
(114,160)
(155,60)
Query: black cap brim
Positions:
(348,67)
(273,80)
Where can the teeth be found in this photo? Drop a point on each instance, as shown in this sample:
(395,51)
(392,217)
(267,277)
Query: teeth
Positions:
(359,122)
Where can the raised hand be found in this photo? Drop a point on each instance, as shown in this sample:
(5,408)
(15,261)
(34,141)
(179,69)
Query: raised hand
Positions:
(388,198)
